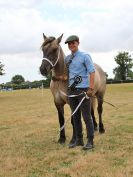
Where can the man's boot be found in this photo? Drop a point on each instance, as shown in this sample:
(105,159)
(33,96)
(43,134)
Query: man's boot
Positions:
(89,145)
(78,142)
(72,141)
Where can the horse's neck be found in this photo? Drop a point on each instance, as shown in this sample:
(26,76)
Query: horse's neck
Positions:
(60,66)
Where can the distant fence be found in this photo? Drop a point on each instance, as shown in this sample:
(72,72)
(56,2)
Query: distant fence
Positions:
(118,82)
(46,85)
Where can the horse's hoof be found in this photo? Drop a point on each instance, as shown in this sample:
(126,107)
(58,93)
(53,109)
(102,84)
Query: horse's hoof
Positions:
(73,140)
(61,140)
(101,130)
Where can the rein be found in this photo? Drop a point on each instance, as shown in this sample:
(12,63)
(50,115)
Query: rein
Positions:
(83,93)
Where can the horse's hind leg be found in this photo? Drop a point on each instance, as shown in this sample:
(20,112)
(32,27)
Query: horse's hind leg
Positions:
(93,118)
(93,103)
(100,110)
(60,109)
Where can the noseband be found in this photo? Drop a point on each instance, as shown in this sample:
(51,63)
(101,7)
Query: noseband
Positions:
(53,65)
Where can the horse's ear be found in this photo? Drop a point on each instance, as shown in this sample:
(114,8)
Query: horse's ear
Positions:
(44,37)
(59,39)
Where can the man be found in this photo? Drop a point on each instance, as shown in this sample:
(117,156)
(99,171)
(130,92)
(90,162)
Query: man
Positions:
(81,79)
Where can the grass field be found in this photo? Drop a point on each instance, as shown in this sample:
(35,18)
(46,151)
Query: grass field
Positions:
(29,129)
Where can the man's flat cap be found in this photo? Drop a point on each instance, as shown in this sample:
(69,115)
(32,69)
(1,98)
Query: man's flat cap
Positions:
(72,38)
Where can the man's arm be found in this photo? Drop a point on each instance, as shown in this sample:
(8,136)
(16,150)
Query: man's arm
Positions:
(91,79)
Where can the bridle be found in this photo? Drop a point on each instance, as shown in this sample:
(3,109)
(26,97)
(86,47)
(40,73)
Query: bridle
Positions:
(53,65)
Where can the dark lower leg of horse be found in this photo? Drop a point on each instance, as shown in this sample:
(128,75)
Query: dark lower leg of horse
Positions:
(100,110)
(73,139)
(60,110)
(94,119)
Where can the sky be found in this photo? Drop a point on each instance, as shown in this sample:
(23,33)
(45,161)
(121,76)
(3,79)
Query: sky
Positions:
(105,28)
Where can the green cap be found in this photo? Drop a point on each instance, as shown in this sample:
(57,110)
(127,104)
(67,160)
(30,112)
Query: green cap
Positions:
(72,38)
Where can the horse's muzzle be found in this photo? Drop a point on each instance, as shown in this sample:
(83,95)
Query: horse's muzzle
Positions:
(43,71)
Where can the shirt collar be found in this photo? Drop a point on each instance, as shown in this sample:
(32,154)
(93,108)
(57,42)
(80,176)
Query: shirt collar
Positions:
(75,53)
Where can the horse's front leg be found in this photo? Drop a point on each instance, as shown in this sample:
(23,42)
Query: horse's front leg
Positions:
(73,139)
(60,109)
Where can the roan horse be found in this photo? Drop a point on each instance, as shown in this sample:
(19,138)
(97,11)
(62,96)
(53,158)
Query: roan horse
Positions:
(53,60)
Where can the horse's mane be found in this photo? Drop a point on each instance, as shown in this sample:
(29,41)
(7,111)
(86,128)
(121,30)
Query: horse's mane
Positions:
(48,40)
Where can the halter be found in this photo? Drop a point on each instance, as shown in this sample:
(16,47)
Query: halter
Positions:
(53,65)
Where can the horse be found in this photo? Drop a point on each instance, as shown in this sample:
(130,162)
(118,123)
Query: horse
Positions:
(53,61)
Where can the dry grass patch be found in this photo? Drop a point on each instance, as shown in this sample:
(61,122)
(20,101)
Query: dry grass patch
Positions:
(28,137)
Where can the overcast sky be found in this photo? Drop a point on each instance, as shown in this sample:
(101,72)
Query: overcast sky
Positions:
(105,27)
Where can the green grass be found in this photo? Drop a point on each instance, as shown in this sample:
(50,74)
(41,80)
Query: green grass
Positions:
(29,129)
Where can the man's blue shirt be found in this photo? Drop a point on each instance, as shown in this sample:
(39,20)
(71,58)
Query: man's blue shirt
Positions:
(81,65)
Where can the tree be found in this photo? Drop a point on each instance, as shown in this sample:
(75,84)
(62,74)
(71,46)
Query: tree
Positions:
(106,75)
(1,69)
(48,79)
(17,79)
(124,69)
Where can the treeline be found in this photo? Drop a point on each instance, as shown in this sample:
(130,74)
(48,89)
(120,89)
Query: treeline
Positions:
(45,84)
(25,85)
(113,81)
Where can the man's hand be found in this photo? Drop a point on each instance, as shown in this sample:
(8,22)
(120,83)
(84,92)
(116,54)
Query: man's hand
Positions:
(90,92)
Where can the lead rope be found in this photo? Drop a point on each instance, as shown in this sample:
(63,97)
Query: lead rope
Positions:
(83,93)
(67,65)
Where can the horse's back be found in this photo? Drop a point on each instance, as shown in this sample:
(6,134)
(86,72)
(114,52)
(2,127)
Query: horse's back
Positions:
(100,80)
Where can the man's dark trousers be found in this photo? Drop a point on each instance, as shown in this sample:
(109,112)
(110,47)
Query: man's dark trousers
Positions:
(85,109)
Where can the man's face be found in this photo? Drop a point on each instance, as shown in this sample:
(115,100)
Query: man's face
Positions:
(73,46)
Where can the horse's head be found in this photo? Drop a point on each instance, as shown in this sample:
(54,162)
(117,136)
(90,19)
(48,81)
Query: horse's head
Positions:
(51,51)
